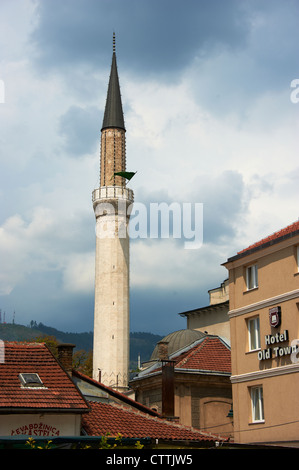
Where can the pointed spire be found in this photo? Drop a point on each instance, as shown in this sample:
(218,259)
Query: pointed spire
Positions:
(113,116)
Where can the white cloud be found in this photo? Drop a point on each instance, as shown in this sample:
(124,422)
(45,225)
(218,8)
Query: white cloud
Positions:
(164,264)
(78,273)
(24,248)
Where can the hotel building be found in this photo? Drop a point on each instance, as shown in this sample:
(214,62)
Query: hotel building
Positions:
(264,332)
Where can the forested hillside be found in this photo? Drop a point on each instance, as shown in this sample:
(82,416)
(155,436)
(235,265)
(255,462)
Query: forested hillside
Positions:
(141,344)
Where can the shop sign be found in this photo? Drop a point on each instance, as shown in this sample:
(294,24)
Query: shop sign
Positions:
(36,429)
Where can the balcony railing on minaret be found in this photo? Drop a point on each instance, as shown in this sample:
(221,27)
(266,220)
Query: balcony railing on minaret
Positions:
(112,192)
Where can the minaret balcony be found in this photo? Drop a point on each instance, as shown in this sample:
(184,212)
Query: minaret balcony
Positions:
(112,192)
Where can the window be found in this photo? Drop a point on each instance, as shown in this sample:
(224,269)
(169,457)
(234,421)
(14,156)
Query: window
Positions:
(257,404)
(31,380)
(253,325)
(297,249)
(251,277)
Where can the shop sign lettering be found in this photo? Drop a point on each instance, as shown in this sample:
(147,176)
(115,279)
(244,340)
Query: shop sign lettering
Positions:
(277,338)
(36,429)
(279,351)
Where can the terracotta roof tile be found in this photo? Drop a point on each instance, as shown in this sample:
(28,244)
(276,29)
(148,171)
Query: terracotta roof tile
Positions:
(113,419)
(211,354)
(59,391)
(274,237)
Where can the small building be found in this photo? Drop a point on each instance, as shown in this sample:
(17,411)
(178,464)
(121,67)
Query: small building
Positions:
(213,318)
(37,395)
(264,323)
(189,383)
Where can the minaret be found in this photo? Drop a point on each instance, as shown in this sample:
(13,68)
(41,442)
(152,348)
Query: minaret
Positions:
(111,203)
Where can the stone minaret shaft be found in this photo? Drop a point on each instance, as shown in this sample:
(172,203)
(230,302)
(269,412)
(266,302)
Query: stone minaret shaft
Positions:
(111,203)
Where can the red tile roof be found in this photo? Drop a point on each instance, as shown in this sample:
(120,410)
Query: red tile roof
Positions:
(210,354)
(280,235)
(113,419)
(59,391)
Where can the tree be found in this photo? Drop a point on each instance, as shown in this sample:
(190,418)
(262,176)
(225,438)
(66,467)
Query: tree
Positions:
(82,362)
(50,341)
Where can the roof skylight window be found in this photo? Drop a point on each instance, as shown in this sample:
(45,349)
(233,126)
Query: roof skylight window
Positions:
(31,380)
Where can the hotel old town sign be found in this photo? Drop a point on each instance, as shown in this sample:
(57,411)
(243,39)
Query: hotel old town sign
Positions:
(275,350)
(276,346)
(275,316)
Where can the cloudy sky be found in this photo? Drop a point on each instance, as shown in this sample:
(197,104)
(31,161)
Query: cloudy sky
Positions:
(211,109)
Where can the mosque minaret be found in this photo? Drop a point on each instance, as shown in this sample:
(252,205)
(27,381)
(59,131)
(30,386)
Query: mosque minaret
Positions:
(111,203)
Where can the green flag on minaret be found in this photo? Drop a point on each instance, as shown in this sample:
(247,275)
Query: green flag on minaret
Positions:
(126,174)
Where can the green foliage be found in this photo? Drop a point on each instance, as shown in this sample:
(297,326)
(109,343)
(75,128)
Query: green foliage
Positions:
(82,362)
(107,443)
(50,341)
(32,444)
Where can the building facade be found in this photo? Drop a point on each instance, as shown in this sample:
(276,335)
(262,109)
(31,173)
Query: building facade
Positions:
(264,323)
(190,384)
(38,398)
(213,318)
(111,203)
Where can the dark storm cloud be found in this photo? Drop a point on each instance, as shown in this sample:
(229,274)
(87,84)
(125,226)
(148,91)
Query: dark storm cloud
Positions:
(152,35)
(225,199)
(79,128)
(28,302)
(157,310)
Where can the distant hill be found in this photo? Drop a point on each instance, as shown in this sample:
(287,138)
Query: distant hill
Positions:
(141,344)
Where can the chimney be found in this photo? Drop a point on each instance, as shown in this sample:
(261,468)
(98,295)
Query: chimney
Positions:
(167,381)
(168,389)
(163,350)
(65,356)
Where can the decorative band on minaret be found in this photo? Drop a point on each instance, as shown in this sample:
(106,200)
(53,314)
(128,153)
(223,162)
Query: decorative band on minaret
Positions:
(112,202)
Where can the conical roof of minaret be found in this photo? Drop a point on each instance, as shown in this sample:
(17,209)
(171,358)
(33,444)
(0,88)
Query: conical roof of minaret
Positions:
(113,116)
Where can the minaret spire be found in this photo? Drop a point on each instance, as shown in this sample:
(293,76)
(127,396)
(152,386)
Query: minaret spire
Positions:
(113,116)
(113,139)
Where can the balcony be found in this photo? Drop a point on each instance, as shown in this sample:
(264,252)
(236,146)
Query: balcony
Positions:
(112,192)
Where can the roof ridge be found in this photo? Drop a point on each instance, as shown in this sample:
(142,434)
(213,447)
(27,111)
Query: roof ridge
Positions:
(24,344)
(274,235)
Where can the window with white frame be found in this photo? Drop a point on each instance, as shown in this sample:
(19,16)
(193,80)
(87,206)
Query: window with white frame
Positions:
(253,325)
(257,404)
(251,277)
(297,258)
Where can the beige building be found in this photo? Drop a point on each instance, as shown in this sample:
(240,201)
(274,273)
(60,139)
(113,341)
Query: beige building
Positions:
(264,323)
(213,318)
